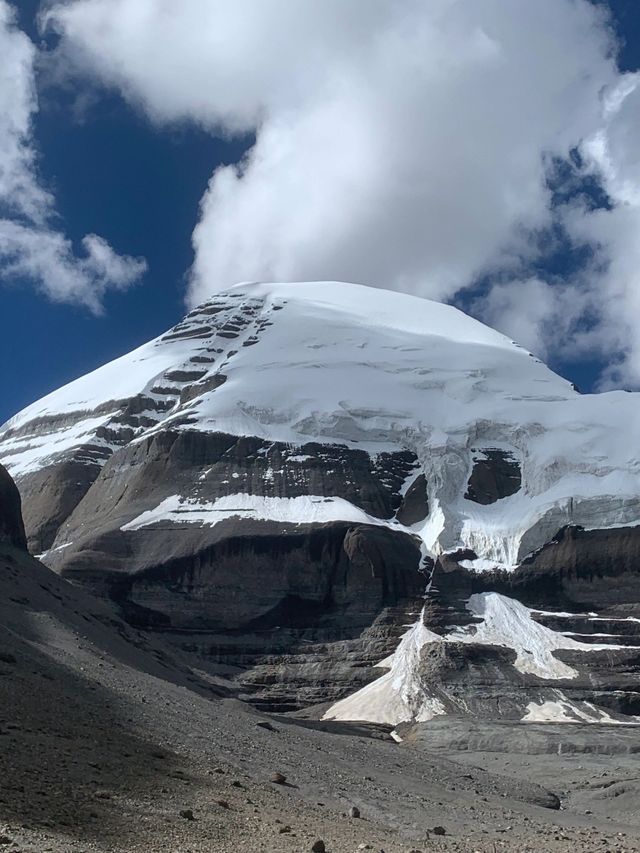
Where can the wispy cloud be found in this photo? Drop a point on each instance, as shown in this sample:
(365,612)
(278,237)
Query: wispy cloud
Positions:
(32,246)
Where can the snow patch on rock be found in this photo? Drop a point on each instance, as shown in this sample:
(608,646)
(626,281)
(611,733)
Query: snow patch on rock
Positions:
(562,710)
(305,509)
(397,696)
(506,622)
(28,453)
(400,694)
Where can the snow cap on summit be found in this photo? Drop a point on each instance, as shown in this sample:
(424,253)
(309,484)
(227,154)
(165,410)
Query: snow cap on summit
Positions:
(340,363)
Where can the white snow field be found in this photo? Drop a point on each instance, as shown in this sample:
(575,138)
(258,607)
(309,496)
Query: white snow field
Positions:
(562,710)
(336,362)
(305,509)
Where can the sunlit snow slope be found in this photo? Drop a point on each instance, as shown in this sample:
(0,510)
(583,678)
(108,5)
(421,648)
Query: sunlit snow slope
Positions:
(342,363)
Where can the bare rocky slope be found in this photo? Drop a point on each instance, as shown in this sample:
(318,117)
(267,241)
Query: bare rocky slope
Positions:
(110,741)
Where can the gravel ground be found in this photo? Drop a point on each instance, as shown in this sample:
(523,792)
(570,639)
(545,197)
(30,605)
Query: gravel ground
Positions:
(107,743)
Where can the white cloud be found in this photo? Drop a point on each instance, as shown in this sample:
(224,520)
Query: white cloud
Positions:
(531,311)
(613,153)
(399,143)
(31,246)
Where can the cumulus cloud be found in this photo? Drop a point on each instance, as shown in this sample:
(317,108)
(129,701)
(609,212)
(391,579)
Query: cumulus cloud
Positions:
(31,247)
(399,143)
(523,309)
(612,153)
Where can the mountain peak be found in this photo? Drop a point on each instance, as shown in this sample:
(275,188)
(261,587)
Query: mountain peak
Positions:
(330,463)
(373,306)
(332,362)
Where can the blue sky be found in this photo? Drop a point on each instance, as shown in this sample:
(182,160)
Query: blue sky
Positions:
(114,174)
(137,182)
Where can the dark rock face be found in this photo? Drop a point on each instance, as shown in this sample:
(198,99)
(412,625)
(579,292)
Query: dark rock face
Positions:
(258,578)
(49,497)
(475,680)
(590,569)
(584,585)
(578,570)
(449,734)
(495,475)
(297,618)
(51,493)
(415,503)
(11,526)
(296,612)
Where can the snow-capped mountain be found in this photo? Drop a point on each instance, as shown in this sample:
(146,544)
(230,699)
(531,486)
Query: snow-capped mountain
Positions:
(370,369)
(281,471)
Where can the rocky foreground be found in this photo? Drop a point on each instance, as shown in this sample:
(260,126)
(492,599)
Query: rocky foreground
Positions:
(109,742)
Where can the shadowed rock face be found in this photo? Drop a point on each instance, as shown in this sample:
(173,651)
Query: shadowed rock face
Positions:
(578,570)
(297,612)
(301,618)
(415,503)
(296,618)
(477,680)
(11,526)
(255,577)
(49,497)
(495,475)
(590,569)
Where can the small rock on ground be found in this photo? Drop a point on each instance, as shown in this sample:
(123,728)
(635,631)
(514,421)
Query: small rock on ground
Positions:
(278,778)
